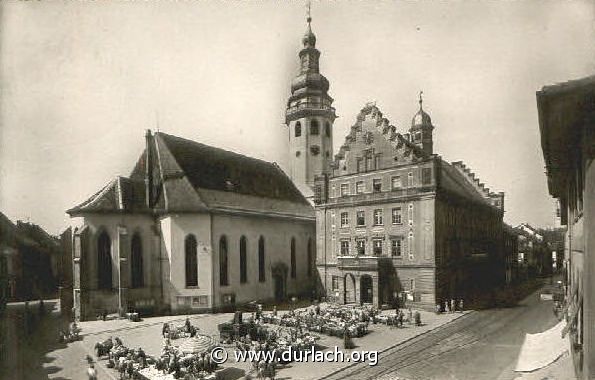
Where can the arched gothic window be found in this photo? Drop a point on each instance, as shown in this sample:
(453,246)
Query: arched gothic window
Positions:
(243,260)
(298,129)
(261,276)
(223,262)
(136,262)
(314,128)
(293,264)
(104,261)
(310,257)
(190,249)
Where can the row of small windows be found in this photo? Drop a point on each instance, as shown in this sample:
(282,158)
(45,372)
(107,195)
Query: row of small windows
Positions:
(192,260)
(396,248)
(104,262)
(396,183)
(314,128)
(370,162)
(377,217)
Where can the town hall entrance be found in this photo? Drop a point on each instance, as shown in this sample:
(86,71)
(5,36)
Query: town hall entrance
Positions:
(366,289)
(349,286)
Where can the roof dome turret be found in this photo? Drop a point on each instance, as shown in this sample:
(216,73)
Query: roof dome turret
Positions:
(309,39)
(421,118)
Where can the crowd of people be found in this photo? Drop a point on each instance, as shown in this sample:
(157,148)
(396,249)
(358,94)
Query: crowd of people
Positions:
(449,306)
(333,320)
(173,363)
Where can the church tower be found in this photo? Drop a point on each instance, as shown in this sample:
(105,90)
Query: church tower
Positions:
(309,117)
(421,129)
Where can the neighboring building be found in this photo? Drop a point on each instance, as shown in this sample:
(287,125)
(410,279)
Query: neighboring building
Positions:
(535,256)
(29,254)
(65,271)
(192,228)
(511,253)
(567,125)
(394,218)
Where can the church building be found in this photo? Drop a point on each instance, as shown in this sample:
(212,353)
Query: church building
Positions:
(192,228)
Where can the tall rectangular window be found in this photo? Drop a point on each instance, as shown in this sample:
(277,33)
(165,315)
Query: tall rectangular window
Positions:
(396,247)
(369,162)
(361,246)
(377,185)
(344,219)
(410,250)
(377,162)
(377,247)
(410,214)
(359,187)
(378,217)
(344,189)
(344,247)
(361,218)
(360,164)
(426,176)
(409,179)
(396,215)
(335,283)
(395,182)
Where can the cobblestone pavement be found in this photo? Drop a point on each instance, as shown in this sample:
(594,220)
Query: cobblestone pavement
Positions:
(68,362)
(480,345)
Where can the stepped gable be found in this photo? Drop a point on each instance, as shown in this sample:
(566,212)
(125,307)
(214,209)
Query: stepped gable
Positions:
(493,198)
(384,128)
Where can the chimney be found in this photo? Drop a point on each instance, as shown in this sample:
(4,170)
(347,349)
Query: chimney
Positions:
(148,170)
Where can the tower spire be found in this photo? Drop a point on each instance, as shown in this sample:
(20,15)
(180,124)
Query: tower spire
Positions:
(421,100)
(308,14)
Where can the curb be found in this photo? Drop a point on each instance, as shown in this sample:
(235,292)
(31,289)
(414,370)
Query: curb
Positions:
(470,312)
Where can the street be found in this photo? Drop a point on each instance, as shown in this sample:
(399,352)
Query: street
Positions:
(481,345)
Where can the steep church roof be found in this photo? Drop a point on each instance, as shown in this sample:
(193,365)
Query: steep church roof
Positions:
(187,176)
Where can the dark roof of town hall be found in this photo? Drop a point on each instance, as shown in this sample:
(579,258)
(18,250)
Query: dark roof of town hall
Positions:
(189,176)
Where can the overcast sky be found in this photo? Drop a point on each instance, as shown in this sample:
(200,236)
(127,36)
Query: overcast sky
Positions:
(82,81)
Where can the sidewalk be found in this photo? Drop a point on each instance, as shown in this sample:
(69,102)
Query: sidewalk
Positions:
(561,369)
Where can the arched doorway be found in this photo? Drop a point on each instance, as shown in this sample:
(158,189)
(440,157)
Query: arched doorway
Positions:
(366,289)
(349,286)
(279,274)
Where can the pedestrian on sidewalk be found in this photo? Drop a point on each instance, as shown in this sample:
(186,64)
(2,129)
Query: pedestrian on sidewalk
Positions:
(91,372)
(452,305)
(461,305)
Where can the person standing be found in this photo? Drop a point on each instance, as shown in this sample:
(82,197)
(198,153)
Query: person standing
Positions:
(91,372)
(452,305)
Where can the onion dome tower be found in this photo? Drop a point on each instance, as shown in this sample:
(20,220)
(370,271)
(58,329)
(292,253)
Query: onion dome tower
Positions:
(421,129)
(309,116)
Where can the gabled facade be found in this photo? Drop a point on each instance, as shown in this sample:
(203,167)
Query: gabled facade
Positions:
(395,220)
(192,228)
